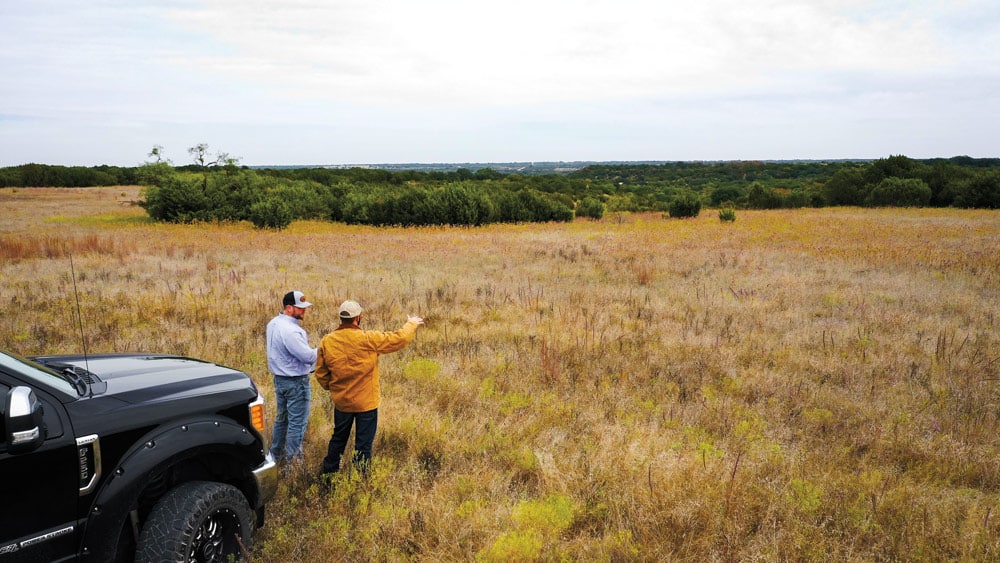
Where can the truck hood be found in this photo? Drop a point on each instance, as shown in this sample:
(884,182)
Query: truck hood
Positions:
(148,378)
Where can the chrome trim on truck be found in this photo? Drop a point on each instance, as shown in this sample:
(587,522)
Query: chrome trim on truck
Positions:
(266,475)
(89,451)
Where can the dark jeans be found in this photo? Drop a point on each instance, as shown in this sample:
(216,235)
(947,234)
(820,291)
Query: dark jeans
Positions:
(364,436)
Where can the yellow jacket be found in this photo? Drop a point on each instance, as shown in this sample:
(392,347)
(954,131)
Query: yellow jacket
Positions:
(347,364)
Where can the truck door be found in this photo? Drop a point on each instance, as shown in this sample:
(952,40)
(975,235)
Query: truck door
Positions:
(39,488)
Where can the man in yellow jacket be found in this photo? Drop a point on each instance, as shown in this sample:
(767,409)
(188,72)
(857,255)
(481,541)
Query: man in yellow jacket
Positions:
(347,367)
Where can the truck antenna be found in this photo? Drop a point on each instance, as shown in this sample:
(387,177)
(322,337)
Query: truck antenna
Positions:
(79,317)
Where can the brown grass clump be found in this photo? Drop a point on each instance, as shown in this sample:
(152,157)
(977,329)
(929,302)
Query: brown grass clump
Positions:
(798,385)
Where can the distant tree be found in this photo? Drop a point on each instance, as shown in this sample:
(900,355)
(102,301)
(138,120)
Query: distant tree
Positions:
(797,199)
(684,205)
(202,159)
(228,162)
(154,174)
(626,201)
(896,166)
(177,198)
(231,196)
(981,190)
(10,177)
(461,204)
(413,207)
(157,154)
(527,205)
(944,177)
(306,200)
(509,207)
(358,175)
(33,175)
(487,174)
(199,153)
(846,187)
(760,196)
(590,207)
(900,192)
(355,208)
(725,194)
(271,212)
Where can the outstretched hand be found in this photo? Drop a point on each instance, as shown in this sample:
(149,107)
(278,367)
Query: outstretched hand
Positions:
(415,319)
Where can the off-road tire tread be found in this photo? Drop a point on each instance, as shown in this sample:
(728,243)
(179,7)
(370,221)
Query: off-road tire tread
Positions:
(178,514)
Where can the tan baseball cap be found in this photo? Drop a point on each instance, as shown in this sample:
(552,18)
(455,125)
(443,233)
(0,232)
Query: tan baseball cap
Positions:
(350,309)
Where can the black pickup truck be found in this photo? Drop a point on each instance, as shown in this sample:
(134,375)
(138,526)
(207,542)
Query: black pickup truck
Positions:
(126,457)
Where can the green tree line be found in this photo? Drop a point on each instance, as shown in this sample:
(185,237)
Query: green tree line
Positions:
(31,175)
(219,190)
(901,181)
(894,181)
(273,200)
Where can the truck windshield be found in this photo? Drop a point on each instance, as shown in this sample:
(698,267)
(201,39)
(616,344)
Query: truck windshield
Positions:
(21,368)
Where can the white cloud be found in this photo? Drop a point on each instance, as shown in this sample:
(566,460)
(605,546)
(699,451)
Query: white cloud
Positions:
(544,78)
(448,52)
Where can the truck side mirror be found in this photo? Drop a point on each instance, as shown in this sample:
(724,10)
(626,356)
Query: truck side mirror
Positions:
(24,429)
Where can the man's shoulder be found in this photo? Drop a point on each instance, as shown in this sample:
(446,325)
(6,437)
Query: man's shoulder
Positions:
(284,322)
(342,333)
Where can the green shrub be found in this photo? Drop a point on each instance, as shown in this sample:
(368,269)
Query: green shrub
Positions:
(760,196)
(590,207)
(177,199)
(724,194)
(981,190)
(797,199)
(727,215)
(900,192)
(270,213)
(846,187)
(684,205)
(460,204)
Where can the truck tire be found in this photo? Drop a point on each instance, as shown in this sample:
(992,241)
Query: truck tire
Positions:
(200,521)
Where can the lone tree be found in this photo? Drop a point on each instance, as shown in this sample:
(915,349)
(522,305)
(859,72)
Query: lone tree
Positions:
(200,155)
(157,154)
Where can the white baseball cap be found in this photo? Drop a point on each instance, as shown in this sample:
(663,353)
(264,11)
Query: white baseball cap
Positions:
(296,299)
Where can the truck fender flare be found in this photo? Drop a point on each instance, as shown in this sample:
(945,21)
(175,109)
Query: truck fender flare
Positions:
(118,494)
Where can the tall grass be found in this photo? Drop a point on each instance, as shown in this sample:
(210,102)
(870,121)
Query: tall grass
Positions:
(796,385)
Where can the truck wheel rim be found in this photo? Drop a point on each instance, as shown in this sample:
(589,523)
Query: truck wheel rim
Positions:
(215,538)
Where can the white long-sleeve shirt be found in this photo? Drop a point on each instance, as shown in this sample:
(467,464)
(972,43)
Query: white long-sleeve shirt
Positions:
(288,351)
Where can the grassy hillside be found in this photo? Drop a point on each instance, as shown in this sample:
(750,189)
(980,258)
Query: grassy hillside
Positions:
(806,384)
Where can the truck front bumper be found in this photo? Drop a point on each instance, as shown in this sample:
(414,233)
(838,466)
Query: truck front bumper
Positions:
(266,475)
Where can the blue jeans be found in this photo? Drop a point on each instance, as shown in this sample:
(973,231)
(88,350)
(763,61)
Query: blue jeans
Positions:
(292,395)
(364,435)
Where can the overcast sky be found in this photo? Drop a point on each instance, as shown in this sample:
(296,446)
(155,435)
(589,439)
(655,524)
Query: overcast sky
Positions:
(402,81)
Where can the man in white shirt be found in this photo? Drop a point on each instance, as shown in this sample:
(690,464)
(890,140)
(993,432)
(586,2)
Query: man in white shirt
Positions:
(290,360)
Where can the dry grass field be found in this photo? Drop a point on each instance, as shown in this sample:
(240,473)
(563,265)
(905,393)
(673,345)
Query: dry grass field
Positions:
(803,385)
